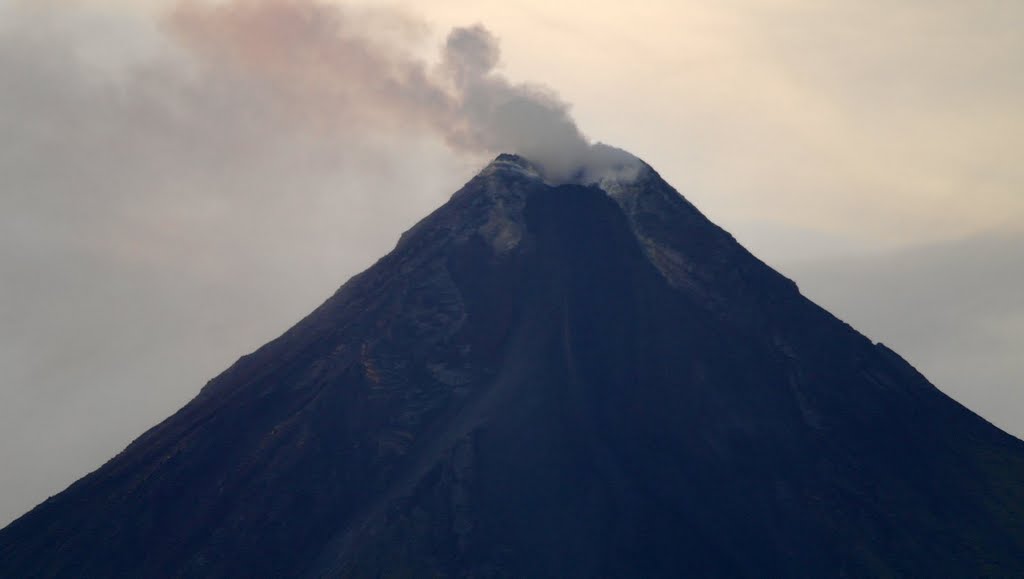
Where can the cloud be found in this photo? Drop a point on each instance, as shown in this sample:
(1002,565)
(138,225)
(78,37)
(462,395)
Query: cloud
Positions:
(335,69)
(496,115)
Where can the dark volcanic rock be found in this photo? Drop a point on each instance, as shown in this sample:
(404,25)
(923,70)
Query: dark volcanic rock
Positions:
(547,381)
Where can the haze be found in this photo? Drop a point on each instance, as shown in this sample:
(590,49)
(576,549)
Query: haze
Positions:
(171,201)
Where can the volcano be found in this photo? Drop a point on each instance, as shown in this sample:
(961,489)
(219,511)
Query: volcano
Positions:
(552,380)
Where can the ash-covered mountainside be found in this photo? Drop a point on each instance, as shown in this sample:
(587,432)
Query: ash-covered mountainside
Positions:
(552,381)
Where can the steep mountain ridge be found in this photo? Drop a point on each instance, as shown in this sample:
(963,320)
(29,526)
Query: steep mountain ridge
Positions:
(552,380)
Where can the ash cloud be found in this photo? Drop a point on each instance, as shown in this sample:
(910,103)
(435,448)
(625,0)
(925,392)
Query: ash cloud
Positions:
(495,115)
(343,67)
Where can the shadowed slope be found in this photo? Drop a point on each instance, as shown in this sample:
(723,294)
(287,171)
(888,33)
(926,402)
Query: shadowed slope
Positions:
(552,381)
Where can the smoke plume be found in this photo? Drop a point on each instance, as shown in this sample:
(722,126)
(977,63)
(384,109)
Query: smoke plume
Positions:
(183,180)
(344,68)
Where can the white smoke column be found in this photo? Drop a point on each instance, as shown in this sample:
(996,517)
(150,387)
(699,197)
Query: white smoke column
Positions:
(500,116)
(345,69)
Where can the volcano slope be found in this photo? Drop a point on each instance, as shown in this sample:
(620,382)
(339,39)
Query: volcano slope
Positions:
(552,381)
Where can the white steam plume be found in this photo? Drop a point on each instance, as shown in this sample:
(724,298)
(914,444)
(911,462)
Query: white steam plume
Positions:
(351,69)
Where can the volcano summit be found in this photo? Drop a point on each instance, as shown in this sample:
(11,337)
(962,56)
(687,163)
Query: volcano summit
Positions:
(552,380)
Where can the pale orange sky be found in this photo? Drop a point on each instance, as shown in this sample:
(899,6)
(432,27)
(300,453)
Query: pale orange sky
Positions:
(901,121)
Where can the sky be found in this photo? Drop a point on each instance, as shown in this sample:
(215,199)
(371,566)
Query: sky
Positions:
(184,179)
